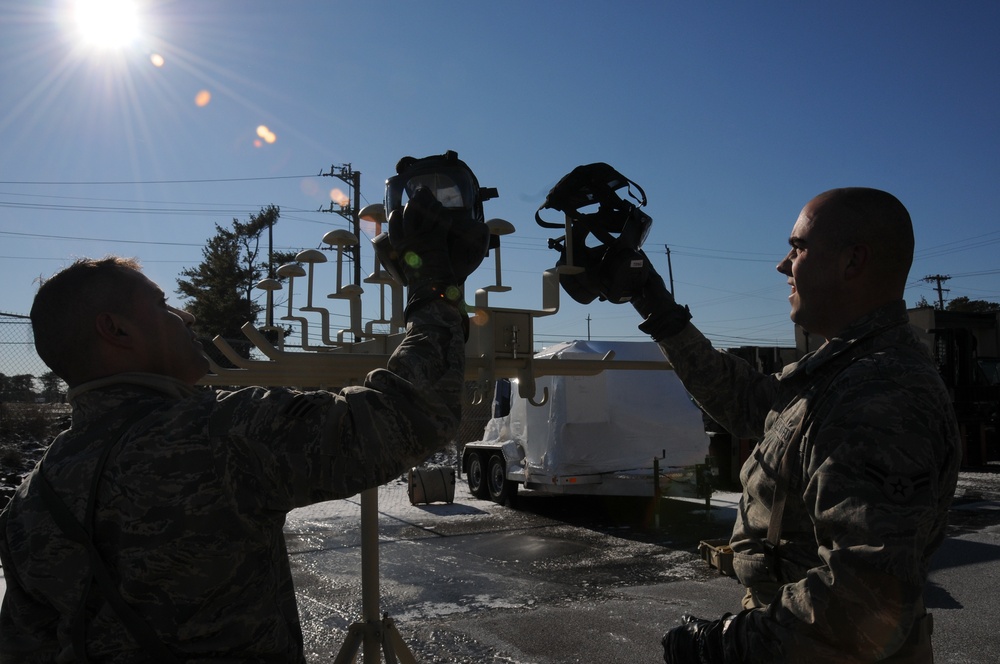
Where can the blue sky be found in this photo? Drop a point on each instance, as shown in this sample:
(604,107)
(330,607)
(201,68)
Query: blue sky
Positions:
(730,115)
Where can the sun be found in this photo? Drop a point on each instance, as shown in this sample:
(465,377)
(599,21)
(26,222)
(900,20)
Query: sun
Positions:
(107,23)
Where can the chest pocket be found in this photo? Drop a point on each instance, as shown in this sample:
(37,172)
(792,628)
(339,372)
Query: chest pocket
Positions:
(761,474)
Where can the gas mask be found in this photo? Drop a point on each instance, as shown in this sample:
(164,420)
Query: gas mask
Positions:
(616,268)
(455,186)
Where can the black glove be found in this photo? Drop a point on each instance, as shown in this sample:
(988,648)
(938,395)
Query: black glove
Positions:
(699,641)
(662,316)
(468,244)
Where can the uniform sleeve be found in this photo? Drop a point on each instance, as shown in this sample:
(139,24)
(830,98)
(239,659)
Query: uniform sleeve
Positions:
(877,471)
(27,625)
(735,394)
(282,449)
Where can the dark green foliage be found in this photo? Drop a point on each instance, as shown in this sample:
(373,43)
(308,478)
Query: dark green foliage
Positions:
(17,388)
(220,290)
(965,304)
(53,388)
(962,303)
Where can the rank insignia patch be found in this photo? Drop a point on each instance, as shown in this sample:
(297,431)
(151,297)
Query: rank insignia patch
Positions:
(898,488)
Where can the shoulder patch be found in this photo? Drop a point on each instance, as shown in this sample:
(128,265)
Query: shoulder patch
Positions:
(898,488)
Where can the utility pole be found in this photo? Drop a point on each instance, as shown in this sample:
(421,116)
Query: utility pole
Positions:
(670,270)
(940,279)
(588,327)
(352,179)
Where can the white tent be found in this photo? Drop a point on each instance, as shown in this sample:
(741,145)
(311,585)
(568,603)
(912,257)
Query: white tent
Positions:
(616,421)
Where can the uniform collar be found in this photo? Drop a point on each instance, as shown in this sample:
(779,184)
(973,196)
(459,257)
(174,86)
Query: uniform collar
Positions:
(98,396)
(165,384)
(863,329)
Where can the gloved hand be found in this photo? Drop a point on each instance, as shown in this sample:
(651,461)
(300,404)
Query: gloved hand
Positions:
(695,641)
(468,244)
(662,316)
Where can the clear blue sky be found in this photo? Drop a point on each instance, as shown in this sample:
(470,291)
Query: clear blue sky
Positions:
(731,116)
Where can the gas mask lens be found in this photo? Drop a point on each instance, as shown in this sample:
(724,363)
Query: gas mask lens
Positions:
(454,190)
(444,188)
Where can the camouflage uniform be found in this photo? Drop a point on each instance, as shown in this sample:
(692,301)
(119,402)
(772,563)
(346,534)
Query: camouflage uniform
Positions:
(867,504)
(193,500)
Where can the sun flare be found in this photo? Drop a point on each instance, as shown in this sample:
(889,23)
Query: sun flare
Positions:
(107,23)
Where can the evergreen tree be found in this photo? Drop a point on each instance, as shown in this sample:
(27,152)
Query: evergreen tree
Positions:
(220,291)
(53,387)
(17,388)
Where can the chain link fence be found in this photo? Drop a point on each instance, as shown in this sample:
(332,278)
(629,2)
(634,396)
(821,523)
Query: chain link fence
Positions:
(23,375)
(32,398)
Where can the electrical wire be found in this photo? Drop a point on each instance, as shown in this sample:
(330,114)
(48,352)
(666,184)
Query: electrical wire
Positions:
(53,183)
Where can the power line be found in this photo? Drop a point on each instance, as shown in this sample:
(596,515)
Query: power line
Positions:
(63,259)
(688,254)
(97,239)
(974,274)
(52,207)
(522,243)
(48,196)
(220,209)
(964,244)
(135,182)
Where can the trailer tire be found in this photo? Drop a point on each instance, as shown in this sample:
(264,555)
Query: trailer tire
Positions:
(476,476)
(502,491)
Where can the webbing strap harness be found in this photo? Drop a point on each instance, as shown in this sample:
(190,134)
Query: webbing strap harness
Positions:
(587,185)
(791,458)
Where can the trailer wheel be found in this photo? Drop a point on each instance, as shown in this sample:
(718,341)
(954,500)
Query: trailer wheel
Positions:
(477,476)
(502,491)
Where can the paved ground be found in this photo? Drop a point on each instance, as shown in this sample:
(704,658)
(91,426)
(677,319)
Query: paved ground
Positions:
(557,580)
(573,580)
(566,580)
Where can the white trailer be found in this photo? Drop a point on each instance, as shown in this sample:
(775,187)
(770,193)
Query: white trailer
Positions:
(617,433)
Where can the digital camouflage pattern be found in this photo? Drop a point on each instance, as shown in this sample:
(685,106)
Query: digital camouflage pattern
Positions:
(868,505)
(193,500)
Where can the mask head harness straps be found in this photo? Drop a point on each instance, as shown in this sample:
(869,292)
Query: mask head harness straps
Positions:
(588,185)
(618,224)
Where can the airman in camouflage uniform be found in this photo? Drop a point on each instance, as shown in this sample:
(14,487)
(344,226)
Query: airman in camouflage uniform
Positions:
(875,462)
(191,502)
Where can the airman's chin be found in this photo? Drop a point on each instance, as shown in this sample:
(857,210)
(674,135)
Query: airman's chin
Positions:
(797,318)
(199,369)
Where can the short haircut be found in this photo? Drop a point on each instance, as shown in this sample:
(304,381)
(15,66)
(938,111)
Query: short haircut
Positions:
(64,311)
(879,220)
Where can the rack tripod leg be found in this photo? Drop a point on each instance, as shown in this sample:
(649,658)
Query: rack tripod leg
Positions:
(355,634)
(372,634)
(394,648)
(393,645)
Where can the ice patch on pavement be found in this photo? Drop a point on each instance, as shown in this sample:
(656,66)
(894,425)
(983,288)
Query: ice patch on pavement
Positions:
(467,604)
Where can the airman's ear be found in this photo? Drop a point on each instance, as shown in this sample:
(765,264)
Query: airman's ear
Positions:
(858,258)
(111,329)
